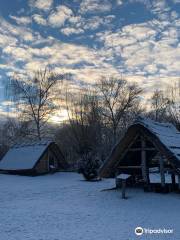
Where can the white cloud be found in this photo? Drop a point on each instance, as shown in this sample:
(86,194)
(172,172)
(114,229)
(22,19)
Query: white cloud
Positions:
(75,19)
(146,49)
(159,6)
(58,17)
(93,23)
(39,19)
(69,31)
(17,53)
(176,1)
(79,24)
(21,20)
(15,32)
(141,52)
(174,15)
(44,5)
(35,65)
(91,6)
(5,39)
(119,2)
(151,69)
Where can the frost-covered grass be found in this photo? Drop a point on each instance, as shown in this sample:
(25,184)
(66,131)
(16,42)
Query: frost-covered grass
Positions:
(64,207)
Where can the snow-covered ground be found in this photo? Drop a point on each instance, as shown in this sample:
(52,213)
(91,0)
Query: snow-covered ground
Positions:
(64,207)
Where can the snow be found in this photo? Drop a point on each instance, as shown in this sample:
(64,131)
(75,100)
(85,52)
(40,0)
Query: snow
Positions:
(22,156)
(156,178)
(63,206)
(123,176)
(166,133)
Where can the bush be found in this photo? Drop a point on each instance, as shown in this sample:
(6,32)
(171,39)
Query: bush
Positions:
(89,166)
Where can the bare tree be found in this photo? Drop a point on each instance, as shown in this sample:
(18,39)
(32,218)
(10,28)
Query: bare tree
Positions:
(35,97)
(11,130)
(165,105)
(159,105)
(117,98)
(173,94)
(84,120)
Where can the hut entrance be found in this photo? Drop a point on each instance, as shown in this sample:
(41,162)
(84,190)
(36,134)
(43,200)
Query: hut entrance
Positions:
(53,165)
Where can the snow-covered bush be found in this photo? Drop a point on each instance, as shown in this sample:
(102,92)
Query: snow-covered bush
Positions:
(89,166)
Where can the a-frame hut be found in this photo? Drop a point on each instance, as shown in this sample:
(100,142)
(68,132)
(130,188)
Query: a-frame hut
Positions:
(148,151)
(33,158)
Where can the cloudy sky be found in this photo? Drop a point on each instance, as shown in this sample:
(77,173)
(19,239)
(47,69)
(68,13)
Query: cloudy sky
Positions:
(138,39)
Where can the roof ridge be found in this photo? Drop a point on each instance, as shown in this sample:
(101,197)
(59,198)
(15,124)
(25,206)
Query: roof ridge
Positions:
(146,120)
(32,143)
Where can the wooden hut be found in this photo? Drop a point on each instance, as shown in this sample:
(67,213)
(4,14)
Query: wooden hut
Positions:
(148,151)
(33,158)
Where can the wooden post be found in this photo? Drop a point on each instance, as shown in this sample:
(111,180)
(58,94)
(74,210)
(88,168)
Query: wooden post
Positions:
(123,189)
(144,161)
(48,167)
(161,163)
(173,179)
(178,182)
(118,183)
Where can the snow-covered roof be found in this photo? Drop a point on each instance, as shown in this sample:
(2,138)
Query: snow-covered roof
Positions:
(165,137)
(23,156)
(166,133)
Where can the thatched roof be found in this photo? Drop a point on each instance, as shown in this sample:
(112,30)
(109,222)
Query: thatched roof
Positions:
(164,136)
(24,156)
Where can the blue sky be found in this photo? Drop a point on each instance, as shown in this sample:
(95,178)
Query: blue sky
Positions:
(138,39)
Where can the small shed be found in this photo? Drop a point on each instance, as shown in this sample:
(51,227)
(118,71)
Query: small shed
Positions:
(147,148)
(33,158)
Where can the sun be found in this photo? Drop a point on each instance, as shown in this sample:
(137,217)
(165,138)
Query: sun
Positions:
(59,116)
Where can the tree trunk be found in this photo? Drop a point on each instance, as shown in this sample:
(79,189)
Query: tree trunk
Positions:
(38,131)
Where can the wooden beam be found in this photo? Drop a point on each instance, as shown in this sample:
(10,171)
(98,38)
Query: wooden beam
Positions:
(161,163)
(139,149)
(144,161)
(129,167)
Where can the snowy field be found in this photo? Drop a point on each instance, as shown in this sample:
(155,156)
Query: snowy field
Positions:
(64,207)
